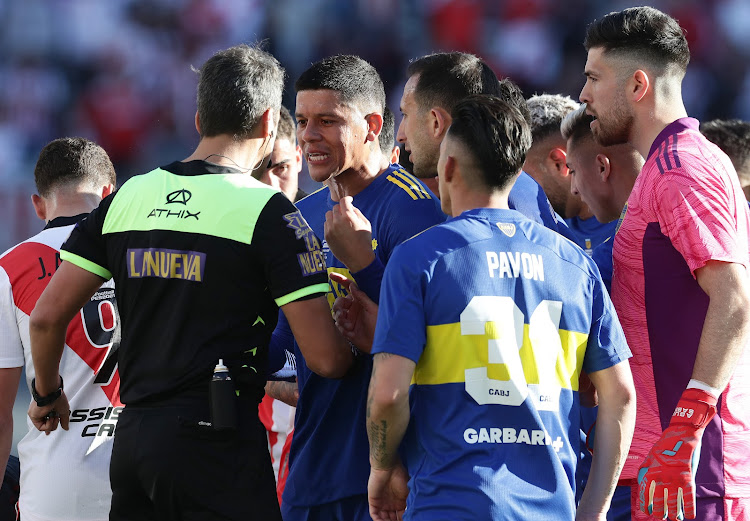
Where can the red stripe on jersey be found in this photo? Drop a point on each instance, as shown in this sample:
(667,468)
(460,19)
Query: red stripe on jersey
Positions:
(30,267)
(28,279)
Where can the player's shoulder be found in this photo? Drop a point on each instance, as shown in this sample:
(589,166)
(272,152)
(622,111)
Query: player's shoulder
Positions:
(314,199)
(403,187)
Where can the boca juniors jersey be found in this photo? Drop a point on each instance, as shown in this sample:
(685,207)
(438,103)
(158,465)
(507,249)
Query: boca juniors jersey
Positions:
(331,413)
(499,342)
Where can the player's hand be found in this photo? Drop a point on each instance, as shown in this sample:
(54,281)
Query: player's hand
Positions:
(355,314)
(349,235)
(666,479)
(386,492)
(47,418)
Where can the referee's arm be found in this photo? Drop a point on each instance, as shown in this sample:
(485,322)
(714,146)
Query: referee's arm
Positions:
(326,352)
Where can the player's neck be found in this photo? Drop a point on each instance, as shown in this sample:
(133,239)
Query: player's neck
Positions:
(650,123)
(354,180)
(465,201)
(70,205)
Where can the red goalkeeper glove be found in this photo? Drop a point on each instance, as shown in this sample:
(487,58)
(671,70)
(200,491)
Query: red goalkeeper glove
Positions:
(666,479)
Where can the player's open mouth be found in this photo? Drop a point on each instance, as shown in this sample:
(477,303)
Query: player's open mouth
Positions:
(317,158)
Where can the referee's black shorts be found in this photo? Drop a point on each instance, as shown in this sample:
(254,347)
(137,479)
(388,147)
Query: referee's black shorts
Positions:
(167,466)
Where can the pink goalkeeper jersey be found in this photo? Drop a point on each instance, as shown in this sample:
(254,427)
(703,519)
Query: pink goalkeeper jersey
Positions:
(686,208)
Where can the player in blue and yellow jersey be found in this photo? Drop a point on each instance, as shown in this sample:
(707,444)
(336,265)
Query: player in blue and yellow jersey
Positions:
(436,83)
(340,102)
(491,318)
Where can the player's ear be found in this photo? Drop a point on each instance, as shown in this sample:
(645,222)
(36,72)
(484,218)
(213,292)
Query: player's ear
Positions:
(40,206)
(197,122)
(603,167)
(374,125)
(558,158)
(638,85)
(440,121)
(450,169)
(298,158)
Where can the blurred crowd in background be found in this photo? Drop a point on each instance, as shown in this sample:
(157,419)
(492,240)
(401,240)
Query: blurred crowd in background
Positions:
(119,72)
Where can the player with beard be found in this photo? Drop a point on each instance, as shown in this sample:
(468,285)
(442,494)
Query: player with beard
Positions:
(437,82)
(680,283)
(339,112)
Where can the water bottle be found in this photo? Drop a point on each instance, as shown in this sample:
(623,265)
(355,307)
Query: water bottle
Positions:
(223,399)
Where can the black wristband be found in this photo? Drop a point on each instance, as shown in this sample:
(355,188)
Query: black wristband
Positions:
(41,401)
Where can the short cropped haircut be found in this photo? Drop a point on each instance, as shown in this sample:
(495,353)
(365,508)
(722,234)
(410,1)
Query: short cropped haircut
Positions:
(72,161)
(733,137)
(356,81)
(447,78)
(495,133)
(547,112)
(577,125)
(644,33)
(235,87)
(286,129)
(387,134)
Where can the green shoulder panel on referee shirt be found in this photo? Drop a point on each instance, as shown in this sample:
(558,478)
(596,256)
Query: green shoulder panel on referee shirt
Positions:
(85,264)
(219,205)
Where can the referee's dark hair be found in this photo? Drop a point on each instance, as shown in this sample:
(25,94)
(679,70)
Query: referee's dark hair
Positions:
(644,34)
(448,77)
(72,161)
(496,134)
(355,80)
(235,87)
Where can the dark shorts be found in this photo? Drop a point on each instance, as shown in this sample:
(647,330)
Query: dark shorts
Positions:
(166,466)
(354,508)
(10,490)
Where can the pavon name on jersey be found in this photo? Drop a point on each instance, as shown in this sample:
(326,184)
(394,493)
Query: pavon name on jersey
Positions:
(514,264)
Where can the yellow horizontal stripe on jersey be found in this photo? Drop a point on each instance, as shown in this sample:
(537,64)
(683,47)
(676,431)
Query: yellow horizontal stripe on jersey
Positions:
(409,178)
(400,184)
(448,354)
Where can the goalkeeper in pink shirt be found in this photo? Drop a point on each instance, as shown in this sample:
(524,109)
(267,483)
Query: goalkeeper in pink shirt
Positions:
(680,282)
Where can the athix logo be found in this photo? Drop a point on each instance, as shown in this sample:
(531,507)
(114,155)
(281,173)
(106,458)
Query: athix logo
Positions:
(179,196)
(182,197)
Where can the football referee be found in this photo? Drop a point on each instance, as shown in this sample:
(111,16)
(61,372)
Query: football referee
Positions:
(203,255)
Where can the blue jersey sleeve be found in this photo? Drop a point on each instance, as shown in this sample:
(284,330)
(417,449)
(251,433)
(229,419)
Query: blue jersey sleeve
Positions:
(401,326)
(602,256)
(528,198)
(606,345)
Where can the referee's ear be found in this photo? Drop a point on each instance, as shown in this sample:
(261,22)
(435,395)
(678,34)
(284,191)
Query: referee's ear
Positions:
(107,189)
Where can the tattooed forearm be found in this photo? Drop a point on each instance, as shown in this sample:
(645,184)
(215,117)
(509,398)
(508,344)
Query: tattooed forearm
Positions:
(379,455)
(283,391)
